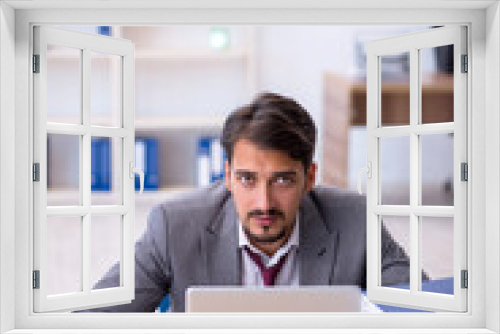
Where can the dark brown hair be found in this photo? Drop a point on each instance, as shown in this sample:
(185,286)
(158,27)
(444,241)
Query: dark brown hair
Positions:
(272,122)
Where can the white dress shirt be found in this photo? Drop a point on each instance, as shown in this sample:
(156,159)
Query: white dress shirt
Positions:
(289,273)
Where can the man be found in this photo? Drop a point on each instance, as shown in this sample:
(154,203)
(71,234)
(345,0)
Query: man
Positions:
(267,225)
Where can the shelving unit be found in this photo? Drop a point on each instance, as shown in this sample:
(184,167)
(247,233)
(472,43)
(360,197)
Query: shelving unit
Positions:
(345,106)
(180,83)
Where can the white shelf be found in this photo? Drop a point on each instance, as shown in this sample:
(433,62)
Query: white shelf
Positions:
(166,55)
(65,198)
(157,122)
(190,55)
(178,122)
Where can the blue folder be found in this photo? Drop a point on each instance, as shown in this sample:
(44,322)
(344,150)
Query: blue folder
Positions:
(209,160)
(101,164)
(147,158)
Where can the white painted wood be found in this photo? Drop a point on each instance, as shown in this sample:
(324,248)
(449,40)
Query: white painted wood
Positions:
(127,268)
(415,160)
(265,331)
(472,322)
(7,166)
(76,129)
(86,298)
(492,186)
(420,210)
(454,35)
(422,129)
(264,4)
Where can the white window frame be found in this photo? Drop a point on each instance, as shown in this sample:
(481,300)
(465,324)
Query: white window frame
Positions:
(413,43)
(85,43)
(483,144)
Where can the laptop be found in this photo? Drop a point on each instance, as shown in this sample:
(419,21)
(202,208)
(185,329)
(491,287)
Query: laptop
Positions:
(275,299)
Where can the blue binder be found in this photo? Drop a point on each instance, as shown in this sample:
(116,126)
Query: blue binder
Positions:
(210,161)
(101,164)
(147,158)
(104,30)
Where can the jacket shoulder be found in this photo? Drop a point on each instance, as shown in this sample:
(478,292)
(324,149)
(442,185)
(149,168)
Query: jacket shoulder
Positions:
(195,206)
(332,197)
(339,208)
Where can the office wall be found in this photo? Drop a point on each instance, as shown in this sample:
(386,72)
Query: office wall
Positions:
(293,61)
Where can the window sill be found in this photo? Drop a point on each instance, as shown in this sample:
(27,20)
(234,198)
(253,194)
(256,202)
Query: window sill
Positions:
(253,331)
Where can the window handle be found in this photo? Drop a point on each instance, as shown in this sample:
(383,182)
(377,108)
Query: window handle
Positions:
(368,171)
(139,171)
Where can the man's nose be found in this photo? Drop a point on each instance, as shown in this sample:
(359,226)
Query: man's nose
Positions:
(264,196)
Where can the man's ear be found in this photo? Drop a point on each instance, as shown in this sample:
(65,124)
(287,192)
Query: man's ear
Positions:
(311,176)
(227,177)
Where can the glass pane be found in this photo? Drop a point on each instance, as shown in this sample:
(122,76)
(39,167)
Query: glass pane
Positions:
(106,169)
(395,89)
(105,90)
(63,85)
(437,84)
(64,255)
(397,228)
(437,169)
(437,254)
(63,170)
(106,233)
(395,170)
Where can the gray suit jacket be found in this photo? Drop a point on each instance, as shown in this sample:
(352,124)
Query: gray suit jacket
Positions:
(193,240)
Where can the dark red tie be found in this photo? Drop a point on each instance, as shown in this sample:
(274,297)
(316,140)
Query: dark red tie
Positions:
(268,274)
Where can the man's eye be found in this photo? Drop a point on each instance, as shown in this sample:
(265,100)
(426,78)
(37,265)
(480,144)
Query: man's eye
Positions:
(284,180)
(246,179)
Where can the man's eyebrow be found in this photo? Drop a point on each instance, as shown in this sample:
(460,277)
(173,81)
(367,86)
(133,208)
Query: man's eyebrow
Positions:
(274,174)
(285,173)
(244,171)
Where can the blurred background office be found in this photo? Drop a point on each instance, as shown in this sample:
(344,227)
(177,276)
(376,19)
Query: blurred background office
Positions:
(189,77)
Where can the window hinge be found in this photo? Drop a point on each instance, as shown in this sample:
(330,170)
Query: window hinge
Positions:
(465,63)
(36,279)
(465,279)
(465,171)
(36,172)
(36,63)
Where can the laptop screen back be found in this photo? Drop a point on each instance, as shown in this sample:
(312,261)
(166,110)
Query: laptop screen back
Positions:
(275,299)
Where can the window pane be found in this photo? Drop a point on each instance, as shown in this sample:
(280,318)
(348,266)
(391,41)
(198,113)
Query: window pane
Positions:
(106,237)
(64,255)
(395,89)
(63,85)
(106,169)
(437,169)
(63,170)
(105,90)
(437,84)
(437,254)
(395,170)
(398,228)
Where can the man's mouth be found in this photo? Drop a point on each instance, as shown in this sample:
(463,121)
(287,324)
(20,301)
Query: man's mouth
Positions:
(265,220)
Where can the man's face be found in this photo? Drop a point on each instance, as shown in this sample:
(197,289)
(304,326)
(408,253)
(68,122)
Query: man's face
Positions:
(267,187)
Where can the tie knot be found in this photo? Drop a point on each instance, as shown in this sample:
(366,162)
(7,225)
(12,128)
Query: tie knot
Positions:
(268,274)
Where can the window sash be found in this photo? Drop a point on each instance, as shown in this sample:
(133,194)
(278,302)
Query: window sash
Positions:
(86,43)
(413,298)
(456,322)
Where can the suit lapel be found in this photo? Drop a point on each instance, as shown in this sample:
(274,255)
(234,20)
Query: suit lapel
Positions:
(221,248)
(316,246)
